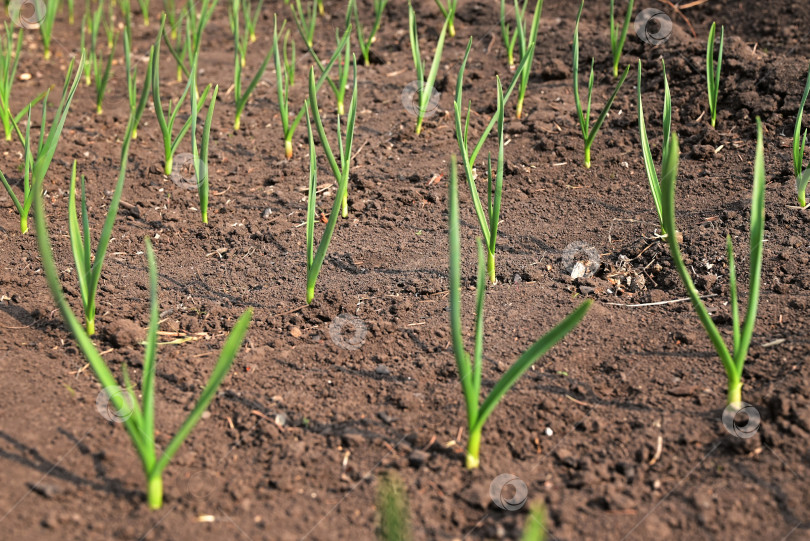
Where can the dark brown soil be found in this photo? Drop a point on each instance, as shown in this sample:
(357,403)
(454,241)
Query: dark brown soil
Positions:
(581,429)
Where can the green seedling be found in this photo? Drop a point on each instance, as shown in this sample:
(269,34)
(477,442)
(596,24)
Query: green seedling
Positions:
(799,143)
(200,154)
(366,40)
(535,527)
(488,226)
(338,85)
(509,36)
(144,5)
(9,59)
(87,29)
(340,172)
(288,52)
(240,40)
(166,120)
(251,18)
(469,372)
(35,168)
(46,22)
(424,90)
(619,36)
(101,76)
(393,509)
(137,417)
(589,132)
(70,8)
(305,21)
(283,83)
(742,331)
(196,22)
(171,15)
(712,72)
(527,48)
(649,165)
(132,77)
(88,264)
(449,13)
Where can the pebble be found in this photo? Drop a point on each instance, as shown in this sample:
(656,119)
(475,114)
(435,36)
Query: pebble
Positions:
(417,458)
(382,370)
(267,212)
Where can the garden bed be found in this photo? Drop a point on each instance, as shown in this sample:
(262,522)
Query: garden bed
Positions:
(617,429)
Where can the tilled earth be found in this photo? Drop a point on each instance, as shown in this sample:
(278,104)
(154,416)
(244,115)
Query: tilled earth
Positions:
(617,430)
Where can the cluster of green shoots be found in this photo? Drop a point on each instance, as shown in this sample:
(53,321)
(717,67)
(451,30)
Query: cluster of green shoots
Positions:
(448,11)
(589,132)
(619,35)
(470,367)
(305,20)
(187,47)
(424,90)
(166,119)
(713,71)
(46,22)
(743,329)
(37,161)
(9,60)
(284,75)
(340,171)
(137,417)
(649,164)
(241,9)
(799,143)
(488,221)
(366,37)
(88,263)
(527,44)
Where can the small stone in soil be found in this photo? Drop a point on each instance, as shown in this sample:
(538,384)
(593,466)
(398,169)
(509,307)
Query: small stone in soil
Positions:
(382,370)
(417,458)
(267,212)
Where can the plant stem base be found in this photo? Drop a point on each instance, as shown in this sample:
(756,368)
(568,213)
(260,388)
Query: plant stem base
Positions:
(154,492)
(734,392)
(471,460)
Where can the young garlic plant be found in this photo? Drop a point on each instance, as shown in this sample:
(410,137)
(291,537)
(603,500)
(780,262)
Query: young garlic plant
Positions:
(470,366)
(9,60)
(284,82)
(364,40)
(88,264)
(712,72)
(619,36)
(425,90)
(340,172)
(649,164)
(138,417)
(36,167)
(799,143)
(742,330)
(589,132)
